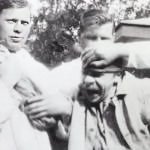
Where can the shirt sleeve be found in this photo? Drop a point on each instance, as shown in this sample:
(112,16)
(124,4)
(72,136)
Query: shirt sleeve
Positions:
(145,100)
(139,56)
(65,78)
(68,76)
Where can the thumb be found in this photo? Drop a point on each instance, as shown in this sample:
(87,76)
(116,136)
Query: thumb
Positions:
(98,64)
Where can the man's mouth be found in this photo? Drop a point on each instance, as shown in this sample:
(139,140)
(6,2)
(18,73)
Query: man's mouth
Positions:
(93,95)
(16,39)
(93,91)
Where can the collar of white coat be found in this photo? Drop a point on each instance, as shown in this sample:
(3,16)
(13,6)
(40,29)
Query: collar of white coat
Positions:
(127,84)
(124,86)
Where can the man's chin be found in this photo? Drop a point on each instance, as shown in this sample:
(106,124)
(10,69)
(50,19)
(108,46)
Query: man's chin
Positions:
(14,47)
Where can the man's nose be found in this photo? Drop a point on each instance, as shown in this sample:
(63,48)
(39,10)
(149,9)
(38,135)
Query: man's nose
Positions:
(18,27)
(88,80)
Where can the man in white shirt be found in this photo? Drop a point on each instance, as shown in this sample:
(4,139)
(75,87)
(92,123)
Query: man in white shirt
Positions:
(19,73)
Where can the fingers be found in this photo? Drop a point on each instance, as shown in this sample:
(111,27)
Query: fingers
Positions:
(87,50)
(32,110)
(36,99)
(44,123)
(49,120)
(98,64)
(86,61)
(86,55)
(60,132)
(92,58)
(38,115)
(36,106)
(35,103)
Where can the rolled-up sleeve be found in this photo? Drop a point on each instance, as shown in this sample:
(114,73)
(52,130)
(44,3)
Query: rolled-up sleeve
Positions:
(139,56)
(64,78)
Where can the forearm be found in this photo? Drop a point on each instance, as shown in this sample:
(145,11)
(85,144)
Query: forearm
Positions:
(59,105)
(136,54)
(123,53)
(62,130)
(65,78)
(67,107)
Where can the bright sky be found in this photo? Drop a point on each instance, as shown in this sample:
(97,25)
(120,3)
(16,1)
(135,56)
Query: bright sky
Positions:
(35,4)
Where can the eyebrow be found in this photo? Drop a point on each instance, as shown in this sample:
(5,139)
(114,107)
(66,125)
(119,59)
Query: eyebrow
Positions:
(14,19)
(90,35)
(10,19)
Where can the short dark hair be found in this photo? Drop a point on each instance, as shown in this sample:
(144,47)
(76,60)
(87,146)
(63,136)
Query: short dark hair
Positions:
(5,4)
(93,17)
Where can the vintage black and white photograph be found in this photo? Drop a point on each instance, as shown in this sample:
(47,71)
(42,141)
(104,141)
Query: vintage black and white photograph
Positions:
(74,74)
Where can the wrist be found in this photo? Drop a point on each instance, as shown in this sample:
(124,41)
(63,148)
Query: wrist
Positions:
(123,53)
(67,107)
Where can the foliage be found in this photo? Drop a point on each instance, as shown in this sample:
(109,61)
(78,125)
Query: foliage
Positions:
(129,9)
(55,29)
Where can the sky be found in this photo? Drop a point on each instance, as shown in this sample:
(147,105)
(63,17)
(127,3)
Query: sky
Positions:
(35,5)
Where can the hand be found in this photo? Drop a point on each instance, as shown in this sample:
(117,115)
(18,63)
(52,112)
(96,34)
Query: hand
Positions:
(43,123)
(103,54)
(51,105)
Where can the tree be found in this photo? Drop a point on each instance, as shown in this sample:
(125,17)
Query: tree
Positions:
(55,29)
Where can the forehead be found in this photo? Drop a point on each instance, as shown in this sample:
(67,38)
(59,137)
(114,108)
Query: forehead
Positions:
(17,13)
(104,30)
(92,30)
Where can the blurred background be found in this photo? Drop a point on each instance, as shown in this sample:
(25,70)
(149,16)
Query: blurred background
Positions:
(54,33)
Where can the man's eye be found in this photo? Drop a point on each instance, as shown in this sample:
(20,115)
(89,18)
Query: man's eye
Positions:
(105,38)
(24,22)
(90,37)
(11,21)
(97,74)
(94,73)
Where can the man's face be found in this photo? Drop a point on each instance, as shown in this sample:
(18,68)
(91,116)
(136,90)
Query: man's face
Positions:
(14,27)
(93,35)
(90,37)
(97,85)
